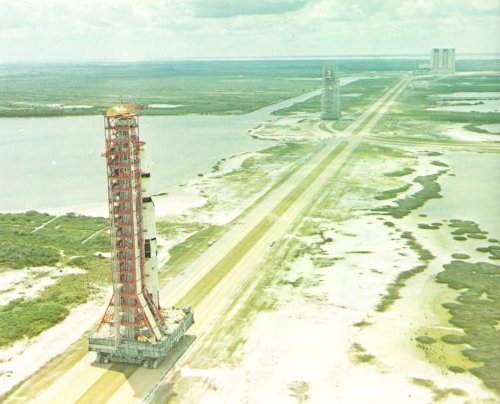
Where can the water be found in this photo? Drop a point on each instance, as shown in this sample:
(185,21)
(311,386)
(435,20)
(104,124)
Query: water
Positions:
(56,163)
(53,164)
(472,194)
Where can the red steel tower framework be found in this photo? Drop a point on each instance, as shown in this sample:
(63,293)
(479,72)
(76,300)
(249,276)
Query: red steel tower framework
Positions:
(133,329)
(132,311)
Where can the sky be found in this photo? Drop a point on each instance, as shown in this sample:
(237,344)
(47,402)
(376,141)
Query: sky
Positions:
(130,30)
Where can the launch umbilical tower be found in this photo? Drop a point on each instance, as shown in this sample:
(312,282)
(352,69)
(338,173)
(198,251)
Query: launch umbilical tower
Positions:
(134,328)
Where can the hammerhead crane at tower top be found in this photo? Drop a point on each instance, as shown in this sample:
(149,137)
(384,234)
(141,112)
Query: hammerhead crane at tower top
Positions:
(134,328)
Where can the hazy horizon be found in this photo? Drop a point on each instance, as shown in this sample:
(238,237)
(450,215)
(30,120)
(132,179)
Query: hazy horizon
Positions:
(420,57)
(150,30)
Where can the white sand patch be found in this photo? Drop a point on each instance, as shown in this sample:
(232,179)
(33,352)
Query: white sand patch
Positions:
(101,254)
(233,163)
(180,201)
(165,106)
(458,132)
(26,357)
(165,245)
(81,106)
(94,210)
(343,81)
(369,256)
(303,78)
(228,200)
(469,95)
(484,106)
(292,128)
(28,283)
(228,196)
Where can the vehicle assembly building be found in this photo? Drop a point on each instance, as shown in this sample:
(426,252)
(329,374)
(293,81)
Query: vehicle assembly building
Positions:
(134,329)
(442,61)
(330,97)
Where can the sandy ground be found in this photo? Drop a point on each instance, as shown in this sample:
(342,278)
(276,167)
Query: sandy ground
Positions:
(326,342)
(28,283)
(178,202)
(303,350)
(312,347)
(458,132)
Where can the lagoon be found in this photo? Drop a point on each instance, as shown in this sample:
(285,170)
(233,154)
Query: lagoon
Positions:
(55,164)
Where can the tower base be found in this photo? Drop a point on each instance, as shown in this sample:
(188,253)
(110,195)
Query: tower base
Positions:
(141,351)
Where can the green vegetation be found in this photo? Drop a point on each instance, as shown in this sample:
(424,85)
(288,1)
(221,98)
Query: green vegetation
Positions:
(28,318)
(299,390)
(476,312)
(404,206)
(466,228)
(392,193)
(58,242)
(432,226)
(183,253)
(392,292)
(400,173)
(460,256)
(439,163)
(456,369)
(193,87)
(494,250)
(360,355)
(438,394)
(424,339)
(59,239)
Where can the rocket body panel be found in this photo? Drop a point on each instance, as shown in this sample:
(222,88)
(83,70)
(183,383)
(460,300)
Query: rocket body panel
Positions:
(150,244)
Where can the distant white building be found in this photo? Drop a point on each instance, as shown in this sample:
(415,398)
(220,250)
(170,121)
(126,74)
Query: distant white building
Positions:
(330,97)
(443,61)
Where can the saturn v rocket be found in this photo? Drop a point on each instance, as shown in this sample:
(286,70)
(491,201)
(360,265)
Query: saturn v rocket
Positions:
(134,309)
(133,329)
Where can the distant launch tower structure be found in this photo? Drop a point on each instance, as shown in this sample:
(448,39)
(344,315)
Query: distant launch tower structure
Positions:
(330,97)
(443,61)
(134,328)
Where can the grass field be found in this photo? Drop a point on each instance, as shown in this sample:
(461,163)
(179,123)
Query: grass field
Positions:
(195,87)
